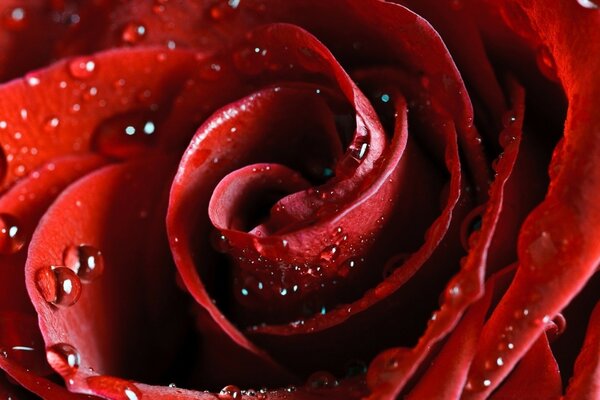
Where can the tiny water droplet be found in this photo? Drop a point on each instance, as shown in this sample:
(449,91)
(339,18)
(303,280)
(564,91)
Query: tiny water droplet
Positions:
(114,388)
(592,5)
(58,285)
(63,358)
(133,32)
(86,261)
(12,237)
(355,368)
(321,380)
(329,253)
(82,67)
(546,63)
(51,124)
(250,60)
(230,392)
(220,242)
(32,79)
(15,18)
(223,9)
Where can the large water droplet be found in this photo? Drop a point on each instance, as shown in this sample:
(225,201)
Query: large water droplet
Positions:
(133,32)
(12,237)
(592,5)
(114,388)
(58,285)
(86,261)
(82,67)
(63,358)
(126,135)
(321,380)
(230,392)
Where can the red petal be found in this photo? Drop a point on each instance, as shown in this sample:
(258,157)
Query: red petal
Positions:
(136,292)
(536,376)
(586,378)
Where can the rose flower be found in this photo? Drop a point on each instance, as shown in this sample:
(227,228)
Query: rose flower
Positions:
(299,199)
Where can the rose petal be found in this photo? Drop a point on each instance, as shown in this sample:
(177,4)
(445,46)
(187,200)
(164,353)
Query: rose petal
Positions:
(536,375)
(586,377)
(135,293)
(93,101)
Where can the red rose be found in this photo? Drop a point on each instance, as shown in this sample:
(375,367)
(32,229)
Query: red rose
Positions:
(325,199)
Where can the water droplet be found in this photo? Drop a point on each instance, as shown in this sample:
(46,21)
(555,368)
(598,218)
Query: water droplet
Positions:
(329,253)
(355,368)
(15,18)
(471,224)
(12,237)
(250,60)
(223,9)
(86,261)
(58,285)
(126,135)
(82,67)
(32,79)
(394,263)
(592,5)
(546,63)
(230,392)
(51,124)
(321,380)
(63,358)
(220,242)
(114,388)
(133,32)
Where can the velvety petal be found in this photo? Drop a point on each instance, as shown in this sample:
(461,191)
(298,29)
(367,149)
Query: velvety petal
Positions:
(27,201)
(135,293)
(467,286)
(557,247)
(536,376)
(586,377)
(86,104)
(28,31)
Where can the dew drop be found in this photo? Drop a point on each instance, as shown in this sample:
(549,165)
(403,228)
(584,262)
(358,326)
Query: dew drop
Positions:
(546,63)
(588,4)
(58,285)
(133,32)
(220,242)
(394,263)
(86,261)
(82,67)
(223,9)
(63,358)
(355,368)
(114,388)
(15,18)
(250,60)
(321,380)
(329,253)
(32,79)
(12,237)
(230,392)
(126,135)
(51,124)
